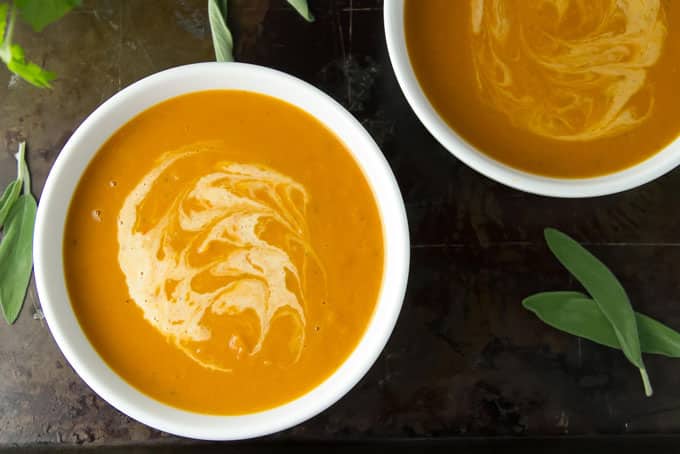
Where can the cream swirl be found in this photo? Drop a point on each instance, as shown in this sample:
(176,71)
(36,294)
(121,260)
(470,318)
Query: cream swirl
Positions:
(568,69)
(222,243)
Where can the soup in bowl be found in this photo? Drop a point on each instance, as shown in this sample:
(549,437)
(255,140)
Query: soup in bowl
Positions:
(212,253)
(565,98)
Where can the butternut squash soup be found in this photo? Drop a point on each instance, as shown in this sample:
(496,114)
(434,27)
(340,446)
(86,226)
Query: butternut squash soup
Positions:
(223,252)
(563,88)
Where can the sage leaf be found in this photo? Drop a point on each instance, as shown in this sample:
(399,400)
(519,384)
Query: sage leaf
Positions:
(223,42)
(30,72)
(657,338)
(40,13)
(576,314)
(9,196)
(13,55)
(16,256)
(606,291)
(302,8)
(17,213)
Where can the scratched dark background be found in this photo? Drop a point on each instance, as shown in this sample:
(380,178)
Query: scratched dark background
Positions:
(465,361)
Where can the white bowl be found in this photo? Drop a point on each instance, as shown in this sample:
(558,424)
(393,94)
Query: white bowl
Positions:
(641,173)
(49,232)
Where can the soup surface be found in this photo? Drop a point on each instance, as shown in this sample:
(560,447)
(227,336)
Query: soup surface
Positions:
(223,252)
(565,88)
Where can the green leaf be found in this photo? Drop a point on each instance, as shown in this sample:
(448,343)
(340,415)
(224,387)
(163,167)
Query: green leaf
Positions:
(576,314)
(40,13)
(16,256)
(13,56)
(16,246)
(9,196)
(222,39)
(657,338)
(606,291)
(4,8)
(28,71)
(302,7)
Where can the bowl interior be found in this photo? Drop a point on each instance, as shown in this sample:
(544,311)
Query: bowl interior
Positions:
(652,168)
(64,177)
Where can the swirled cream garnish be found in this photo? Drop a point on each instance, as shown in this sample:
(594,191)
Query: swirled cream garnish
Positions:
(231,241)
(568,69)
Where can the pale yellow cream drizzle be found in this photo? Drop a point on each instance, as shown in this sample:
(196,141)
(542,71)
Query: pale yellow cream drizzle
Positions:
(568,69)
(229,206)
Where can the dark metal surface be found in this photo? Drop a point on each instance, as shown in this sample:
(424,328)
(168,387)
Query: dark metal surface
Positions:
(465,359)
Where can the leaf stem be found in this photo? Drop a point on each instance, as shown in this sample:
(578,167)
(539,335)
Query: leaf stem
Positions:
(646,383)
(22,170)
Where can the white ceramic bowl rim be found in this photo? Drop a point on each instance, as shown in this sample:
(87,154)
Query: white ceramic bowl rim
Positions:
(55,200)
(648,170)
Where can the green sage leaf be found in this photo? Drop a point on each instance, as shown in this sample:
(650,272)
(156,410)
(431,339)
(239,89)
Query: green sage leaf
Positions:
(302,8)
(223,42)
(606,291)
(13,55)
(28,71)
(576,314)
(16,256)
(40,13)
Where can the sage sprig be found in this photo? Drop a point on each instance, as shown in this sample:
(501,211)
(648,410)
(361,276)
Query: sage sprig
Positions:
(576,314)
(17,213)
(607,317)
(38,14)
(223,41)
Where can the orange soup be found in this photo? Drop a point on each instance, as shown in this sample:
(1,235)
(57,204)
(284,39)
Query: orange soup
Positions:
(563,88)
(223,252)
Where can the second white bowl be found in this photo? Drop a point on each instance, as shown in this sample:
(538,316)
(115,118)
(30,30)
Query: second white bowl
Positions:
(646,171)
